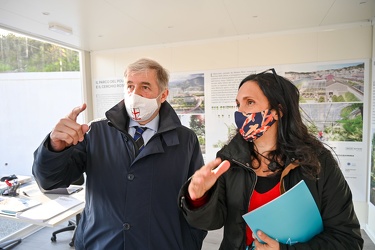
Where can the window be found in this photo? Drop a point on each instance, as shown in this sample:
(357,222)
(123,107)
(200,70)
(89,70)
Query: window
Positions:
(40,83)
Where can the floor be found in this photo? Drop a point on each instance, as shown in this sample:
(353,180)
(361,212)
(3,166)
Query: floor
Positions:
(42,240)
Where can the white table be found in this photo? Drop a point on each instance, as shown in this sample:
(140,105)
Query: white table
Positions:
(32,191)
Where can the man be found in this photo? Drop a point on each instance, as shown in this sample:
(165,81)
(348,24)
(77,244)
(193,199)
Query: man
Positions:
(131,187)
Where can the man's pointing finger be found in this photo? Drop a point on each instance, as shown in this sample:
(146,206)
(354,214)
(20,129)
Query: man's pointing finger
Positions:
(76,111)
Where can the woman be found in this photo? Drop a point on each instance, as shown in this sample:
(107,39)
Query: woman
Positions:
(271,152)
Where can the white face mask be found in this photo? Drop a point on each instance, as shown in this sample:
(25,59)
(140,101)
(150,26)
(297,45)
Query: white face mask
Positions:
(139,108)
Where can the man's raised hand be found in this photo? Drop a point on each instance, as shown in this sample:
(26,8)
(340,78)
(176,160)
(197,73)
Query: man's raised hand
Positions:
(67,131)
(204,178)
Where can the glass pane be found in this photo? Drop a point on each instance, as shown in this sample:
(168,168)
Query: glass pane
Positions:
(23,54)
(40,83)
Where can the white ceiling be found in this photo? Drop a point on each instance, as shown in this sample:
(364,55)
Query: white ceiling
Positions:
(113,24)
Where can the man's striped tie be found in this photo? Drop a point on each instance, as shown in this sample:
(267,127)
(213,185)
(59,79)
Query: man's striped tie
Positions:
(138,137)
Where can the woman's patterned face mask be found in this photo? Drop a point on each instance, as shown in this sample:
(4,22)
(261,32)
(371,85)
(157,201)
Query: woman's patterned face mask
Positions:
(253,125)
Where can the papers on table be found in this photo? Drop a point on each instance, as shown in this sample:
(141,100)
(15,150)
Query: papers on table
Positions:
(49,209)
(13,205)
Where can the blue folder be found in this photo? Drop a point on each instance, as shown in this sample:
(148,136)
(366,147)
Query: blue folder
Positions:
(290,218)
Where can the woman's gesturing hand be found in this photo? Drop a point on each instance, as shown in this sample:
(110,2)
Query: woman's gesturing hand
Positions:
(204,178)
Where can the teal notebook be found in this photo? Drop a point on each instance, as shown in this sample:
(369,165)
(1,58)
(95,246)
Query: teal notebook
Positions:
(290,218)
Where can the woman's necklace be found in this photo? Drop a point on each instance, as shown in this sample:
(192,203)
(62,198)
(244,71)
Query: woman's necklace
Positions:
(272,166)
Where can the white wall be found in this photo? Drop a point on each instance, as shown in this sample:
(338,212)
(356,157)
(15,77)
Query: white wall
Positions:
(315,45)
(30,106)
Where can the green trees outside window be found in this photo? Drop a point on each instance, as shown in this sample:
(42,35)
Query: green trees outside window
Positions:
(24,54)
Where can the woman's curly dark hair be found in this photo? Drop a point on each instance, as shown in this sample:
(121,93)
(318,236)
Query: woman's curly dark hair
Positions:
(294,140)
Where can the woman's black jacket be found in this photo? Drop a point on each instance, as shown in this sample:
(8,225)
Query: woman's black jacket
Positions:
(230,196)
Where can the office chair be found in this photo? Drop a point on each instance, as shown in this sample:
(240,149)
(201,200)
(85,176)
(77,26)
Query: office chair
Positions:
(72,225)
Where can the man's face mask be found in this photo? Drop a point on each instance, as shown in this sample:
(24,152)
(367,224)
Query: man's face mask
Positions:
(253,125)
(139,108)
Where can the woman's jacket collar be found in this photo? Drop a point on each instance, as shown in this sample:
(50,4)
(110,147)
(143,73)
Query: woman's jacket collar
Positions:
(237,151)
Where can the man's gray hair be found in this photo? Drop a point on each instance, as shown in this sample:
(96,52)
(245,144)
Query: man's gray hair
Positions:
(145,64)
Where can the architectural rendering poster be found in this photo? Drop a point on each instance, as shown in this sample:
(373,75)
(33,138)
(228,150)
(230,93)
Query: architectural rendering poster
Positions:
(186,96)
(372,147)
(372,174)
(332,103)
(106,93)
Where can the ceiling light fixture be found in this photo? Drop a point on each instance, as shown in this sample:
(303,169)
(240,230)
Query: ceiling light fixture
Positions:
(60,29)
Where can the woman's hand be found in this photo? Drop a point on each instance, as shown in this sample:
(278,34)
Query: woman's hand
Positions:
(268,242)
(204,178)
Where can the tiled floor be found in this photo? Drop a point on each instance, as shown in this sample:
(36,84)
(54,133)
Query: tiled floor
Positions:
(41,240)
